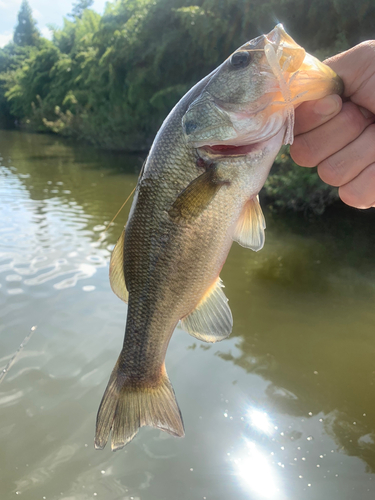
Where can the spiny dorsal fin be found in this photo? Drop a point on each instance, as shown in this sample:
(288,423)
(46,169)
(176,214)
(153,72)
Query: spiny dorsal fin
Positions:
(250,226)
(196,197)
(211,320)
(116,270)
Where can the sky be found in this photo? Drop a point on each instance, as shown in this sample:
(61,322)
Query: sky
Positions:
(44,12)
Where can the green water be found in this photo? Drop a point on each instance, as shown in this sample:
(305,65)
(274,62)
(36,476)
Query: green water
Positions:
(283,409)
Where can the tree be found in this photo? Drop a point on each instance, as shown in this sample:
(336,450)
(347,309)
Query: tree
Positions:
(25,32)
(79,7)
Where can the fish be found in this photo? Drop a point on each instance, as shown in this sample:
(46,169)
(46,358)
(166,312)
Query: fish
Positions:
(197,193)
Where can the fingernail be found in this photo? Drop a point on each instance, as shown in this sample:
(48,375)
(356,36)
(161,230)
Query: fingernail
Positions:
(366,113)
(328,105)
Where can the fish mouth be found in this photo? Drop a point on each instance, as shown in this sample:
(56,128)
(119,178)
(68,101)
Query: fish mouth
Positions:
(230,150)
(310,78)
(244,144)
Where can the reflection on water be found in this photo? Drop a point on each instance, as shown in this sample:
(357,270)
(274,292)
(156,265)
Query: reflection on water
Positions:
(283,409)
(257,473)
(260,420)
(256,466)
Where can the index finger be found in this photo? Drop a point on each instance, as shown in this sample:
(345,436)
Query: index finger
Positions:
(312,114)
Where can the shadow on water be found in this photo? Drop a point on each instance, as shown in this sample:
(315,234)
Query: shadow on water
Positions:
(30,148)
(303,307)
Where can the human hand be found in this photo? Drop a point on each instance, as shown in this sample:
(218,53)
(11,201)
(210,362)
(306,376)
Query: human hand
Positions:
(339,137)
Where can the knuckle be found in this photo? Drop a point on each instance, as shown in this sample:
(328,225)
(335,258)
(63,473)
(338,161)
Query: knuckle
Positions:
(352,118)
(367,48)
(331,170)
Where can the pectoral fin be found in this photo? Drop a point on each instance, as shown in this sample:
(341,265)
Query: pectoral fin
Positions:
(211,320)
(250,226)
(116,270)
(194,199)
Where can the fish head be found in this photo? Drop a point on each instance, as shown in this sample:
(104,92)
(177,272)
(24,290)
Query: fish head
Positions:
(251,97)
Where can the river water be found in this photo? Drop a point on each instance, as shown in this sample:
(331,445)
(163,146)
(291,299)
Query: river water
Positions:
(283,409)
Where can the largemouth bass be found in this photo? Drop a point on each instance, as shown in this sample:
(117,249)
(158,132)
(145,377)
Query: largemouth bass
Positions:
(196,194)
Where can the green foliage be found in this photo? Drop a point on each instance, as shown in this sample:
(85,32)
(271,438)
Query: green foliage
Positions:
(112,79)
(31,79)
(79,7)
(294,188)
(12,58)
(25,33)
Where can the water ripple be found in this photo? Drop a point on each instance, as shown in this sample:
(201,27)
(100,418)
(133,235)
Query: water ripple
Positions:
(46,241)
(10,398)
(40,474)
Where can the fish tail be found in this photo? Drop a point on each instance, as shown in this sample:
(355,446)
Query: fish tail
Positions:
(126,407)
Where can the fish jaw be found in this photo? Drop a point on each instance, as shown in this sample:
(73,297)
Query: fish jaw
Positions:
(309,78)
(247,165)
(214,153)
(314,80)
(281,76)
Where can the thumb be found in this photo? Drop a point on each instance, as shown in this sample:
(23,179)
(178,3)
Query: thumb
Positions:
(356,67)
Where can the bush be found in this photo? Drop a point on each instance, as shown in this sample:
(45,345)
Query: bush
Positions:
(291,187)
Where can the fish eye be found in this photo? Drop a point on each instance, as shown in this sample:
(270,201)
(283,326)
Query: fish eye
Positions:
(240,59)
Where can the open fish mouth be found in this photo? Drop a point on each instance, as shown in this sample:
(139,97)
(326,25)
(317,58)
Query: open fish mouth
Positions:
(230,150)
(244,144)
(245,141)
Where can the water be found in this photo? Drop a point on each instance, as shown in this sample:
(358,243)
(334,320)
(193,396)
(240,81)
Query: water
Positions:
(283,409)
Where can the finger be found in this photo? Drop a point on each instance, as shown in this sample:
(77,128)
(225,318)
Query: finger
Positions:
(346,164)
(356,68)
(312,148)
(312,114)
(360,192)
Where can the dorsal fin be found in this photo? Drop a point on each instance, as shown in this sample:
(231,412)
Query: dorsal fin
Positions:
(116,270)
(211,320)
(250,227)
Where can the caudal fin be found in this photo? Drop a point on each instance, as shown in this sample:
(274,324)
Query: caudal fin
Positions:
(126,407)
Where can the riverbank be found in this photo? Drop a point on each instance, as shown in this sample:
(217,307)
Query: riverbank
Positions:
(288,187)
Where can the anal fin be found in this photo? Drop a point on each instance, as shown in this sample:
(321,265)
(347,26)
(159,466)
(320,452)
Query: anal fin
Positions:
(116,270)
(250,227)
(211,320)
